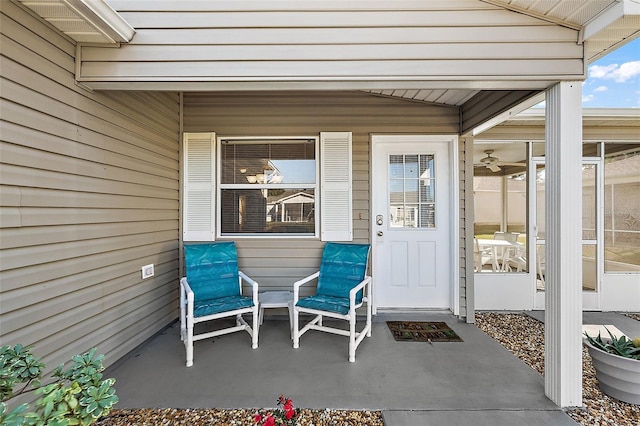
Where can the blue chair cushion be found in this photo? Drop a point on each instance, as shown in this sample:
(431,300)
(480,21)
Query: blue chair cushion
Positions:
(212,270)
(343,267)
(223,304)
(339,305)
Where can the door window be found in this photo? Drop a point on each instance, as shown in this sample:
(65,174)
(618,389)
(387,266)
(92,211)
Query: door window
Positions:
(412,191)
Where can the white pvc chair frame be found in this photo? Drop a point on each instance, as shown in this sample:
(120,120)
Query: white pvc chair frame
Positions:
(187,320)
(355,337)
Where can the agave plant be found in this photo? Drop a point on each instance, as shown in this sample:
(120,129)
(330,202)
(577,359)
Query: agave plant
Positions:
(620,346)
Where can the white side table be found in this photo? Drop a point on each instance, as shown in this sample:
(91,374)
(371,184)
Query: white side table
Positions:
(276,299)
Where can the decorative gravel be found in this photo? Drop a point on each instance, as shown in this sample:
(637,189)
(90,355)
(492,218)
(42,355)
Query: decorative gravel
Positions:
(240,417)
(524,337)
(634,316)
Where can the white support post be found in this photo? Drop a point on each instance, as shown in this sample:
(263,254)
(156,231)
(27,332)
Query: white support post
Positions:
(469,220)
(563,295)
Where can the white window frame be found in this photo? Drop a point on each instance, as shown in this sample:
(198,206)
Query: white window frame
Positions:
(220,186)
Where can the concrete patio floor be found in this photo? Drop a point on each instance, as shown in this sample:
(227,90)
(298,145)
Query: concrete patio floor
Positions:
(458,383)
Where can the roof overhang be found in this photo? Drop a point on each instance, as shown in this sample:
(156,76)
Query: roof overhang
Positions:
(403,54)
(612,28)
(85,21)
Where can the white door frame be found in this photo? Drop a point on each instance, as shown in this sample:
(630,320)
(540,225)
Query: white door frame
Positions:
(454,206)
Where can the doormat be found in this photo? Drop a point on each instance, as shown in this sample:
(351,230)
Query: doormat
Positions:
(408,331)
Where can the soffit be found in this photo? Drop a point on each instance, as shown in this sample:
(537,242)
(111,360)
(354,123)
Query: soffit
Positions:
(84,21)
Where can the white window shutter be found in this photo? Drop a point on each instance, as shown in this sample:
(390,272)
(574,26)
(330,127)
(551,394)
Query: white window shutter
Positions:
(198,221)
(335,187)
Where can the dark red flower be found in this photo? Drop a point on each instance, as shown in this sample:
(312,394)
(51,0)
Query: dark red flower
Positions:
(270,421)
(289,414)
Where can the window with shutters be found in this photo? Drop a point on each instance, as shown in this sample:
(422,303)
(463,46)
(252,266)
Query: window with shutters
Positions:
(267,186)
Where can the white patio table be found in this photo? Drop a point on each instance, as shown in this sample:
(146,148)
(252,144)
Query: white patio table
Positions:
(494,245)
(276,299)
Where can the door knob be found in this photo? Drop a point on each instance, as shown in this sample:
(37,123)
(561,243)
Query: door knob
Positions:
(379,233)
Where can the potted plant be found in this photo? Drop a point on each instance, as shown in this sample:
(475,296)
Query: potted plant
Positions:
(617,364)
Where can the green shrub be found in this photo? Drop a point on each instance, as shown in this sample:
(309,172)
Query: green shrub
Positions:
(76,396)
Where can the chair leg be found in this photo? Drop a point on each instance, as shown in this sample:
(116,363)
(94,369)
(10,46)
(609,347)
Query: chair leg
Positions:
(352,338)
(290,307)
(256,329)
(296,329)
(188,343)
(368,319)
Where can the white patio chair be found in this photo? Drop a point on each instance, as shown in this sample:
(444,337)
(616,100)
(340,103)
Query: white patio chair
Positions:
(212,290)
(540,266)
(515,259)
(482,257)
(342,287)
(505,253)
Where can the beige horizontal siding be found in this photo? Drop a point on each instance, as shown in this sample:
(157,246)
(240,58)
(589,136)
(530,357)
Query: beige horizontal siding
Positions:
(363,43)
(234,5)
(328,17)
(277,263)
(89,192)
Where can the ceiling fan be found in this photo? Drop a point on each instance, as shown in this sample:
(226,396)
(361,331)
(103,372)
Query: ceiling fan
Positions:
(494,163)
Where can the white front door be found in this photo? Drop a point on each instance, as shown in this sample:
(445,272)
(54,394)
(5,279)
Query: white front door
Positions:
(412,220)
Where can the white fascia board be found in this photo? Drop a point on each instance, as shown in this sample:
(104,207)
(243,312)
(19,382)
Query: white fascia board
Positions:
(103,18)
(593,113)
(610,15)
(181,85)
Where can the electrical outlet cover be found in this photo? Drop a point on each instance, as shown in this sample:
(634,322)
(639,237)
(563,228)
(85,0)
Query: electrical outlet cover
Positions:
(147,271)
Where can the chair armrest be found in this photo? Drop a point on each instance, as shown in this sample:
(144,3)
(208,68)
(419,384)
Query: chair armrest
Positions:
(185,290)
(253,283)
(356,289)
(186,303)
(299,283)
(246,278)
